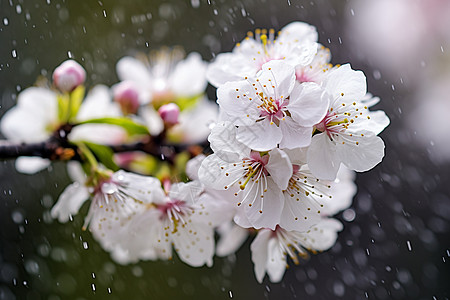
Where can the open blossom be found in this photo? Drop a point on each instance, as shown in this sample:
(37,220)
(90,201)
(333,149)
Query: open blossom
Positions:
(258,178)
(271,248)
(165,76)
(114,196)
(295,45)
(348,132)
(182,217)
(272,108)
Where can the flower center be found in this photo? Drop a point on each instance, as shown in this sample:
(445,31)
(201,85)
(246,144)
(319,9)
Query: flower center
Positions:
(274,109)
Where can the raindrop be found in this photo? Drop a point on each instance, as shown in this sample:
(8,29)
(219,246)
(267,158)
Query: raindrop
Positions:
(17,217)
(215,12)
(85,245)
(18,9)
(14,53)
(243,12)
(442,48)
(340,40)
(6,22)
(352,12)
(104,13)
(69,54)
(408,243)
(349,215)
(392,87)
(195,3)
(109,291)
(230,293)
(93,287)
(339,289)
(376,74)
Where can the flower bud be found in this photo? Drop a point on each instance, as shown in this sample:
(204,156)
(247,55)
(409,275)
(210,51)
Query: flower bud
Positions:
(126,94)
(169,113)
(68,76)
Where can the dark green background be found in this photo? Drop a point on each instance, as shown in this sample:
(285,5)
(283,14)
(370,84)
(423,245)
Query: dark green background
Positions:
(403,199)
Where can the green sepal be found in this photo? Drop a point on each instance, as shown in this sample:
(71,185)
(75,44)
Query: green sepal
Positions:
(76,97)
(104,155)
(188,102)
(131,127)
(63,107)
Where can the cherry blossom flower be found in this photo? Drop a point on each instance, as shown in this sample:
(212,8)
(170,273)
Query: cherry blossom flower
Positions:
(272,108)
(115,196)
(259,177)
(33,119)
(164,75)
(271,247)
(183,217)
(348,132)
(295,45)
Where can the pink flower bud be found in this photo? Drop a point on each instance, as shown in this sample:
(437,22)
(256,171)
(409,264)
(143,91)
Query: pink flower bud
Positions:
(169,113)
(68,76)
(126,94)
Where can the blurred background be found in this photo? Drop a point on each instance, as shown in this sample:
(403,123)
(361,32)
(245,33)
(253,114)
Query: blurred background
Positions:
(396,238)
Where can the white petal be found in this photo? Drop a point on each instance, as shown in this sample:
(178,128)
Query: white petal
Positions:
(151,119)
(264,212)
(130,68)
(307,104)
(76,172)
(323,160)
(276,261)
(280,75)
(345,84)
(294,135)
(225,69)
(31,165)
(343,189)
(234,99)
(279,168)
(189,76)
(194,123)
(298,32)
(322,236)
(212,175)
(143,188)
(193,165)
(194,244)
(22,124)
(223,139)
(361,153)
(69,202)
(301,214)
(231,239)
(259,248)
(99,133)
(98,104)
(297,156)
(187,192)
(261,136)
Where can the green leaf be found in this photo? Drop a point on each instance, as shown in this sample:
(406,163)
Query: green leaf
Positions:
(104,155)
(129,125)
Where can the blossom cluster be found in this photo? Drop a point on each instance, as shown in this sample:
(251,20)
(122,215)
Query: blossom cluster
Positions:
(286,136)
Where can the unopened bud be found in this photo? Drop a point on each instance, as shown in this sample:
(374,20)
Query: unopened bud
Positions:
(126,94)
(169,113)
(68,76)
